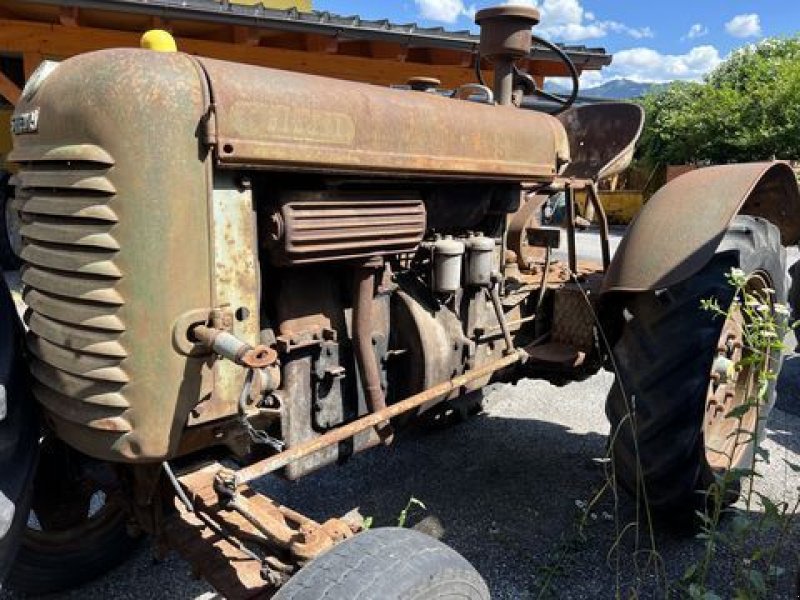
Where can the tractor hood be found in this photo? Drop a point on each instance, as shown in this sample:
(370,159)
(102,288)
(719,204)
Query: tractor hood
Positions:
(284,120)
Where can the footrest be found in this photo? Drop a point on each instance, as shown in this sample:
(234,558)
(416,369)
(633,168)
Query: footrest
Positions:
(555,354)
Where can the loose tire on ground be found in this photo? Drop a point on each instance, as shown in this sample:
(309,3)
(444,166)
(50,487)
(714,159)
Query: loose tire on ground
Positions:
(387,564)
(664,356)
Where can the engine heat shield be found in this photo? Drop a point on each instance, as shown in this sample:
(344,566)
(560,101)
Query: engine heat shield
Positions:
(315,227)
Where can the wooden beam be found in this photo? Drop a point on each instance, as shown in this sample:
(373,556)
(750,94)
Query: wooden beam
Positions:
(326,44)
(355,48)
(157,22)
(389,51)
(61,42)
(546,68)
(246,35)
(30,60)
(69,16)
(9,90)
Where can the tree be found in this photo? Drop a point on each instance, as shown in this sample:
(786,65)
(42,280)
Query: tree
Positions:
(747,109)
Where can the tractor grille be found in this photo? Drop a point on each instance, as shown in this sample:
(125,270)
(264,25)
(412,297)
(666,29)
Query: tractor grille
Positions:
(71,282)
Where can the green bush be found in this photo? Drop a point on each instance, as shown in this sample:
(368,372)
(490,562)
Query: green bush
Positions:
(747,109)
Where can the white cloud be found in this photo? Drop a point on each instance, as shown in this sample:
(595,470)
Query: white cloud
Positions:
(646,64)
(591,79)
(744,26)
(447,11)
(561,20)
(697,30)
(566,20)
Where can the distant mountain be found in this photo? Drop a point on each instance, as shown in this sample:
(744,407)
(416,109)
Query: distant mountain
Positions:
(616,89)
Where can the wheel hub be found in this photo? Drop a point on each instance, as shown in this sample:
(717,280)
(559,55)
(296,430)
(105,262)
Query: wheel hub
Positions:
(732,384)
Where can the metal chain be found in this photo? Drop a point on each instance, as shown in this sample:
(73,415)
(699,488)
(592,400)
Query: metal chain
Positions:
(257,436)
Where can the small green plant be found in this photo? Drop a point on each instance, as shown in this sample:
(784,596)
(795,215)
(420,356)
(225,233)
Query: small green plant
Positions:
(402,516)
(764,324)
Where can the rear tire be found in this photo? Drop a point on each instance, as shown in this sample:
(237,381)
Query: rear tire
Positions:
(387,564)
(664,357)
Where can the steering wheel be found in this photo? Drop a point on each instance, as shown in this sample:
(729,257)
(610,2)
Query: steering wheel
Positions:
(562,102)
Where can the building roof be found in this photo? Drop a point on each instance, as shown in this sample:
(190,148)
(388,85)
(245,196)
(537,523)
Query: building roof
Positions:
(323,23)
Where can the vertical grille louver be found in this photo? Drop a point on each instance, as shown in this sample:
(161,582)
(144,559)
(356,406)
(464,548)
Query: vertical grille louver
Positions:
(71,286)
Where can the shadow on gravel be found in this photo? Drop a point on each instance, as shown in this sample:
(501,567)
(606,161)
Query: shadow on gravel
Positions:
(503,490)
(507,493)
(788,386)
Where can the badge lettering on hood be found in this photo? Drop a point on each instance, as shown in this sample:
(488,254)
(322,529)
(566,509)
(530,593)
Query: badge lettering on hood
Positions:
(26,122)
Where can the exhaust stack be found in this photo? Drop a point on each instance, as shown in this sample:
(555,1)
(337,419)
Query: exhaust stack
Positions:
(505,38)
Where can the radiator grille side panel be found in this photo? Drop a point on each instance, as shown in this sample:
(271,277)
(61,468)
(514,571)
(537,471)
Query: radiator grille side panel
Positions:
(71,286)
(113,190)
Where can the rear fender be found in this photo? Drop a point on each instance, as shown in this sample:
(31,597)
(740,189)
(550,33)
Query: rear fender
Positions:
(681,226)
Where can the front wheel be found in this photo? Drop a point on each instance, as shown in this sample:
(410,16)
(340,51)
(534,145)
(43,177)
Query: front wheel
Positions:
(10,237)
(76,528)
(668,405)
(387,564)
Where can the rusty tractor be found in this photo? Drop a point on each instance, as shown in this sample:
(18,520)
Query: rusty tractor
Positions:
(232,272)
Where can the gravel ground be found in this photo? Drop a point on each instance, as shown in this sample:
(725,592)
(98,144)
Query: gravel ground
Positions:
(506,486)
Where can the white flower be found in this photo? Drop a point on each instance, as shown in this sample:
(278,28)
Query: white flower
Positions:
(781,309)
(580,504)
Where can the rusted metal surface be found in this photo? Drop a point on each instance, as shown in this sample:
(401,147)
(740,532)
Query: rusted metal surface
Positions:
(528,216)
(278,119)
(733,383)
(339,434)
(314,331)
(311,227)
(235,293)
(243,543)
(364,285)
(602,138)
(494,295)
(115,256)
(234,349)
(729,388)
(505,37)
(602,222)
(701,204)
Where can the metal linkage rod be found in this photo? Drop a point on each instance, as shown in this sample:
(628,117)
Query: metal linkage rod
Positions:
(273,463)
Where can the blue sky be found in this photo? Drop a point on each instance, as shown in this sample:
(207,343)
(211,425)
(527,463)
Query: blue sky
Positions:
(651,40)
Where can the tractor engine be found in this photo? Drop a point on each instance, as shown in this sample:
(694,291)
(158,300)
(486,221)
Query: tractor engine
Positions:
(222,254)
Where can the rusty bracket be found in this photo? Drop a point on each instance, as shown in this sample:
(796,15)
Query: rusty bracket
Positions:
(227,345)
(243,543)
